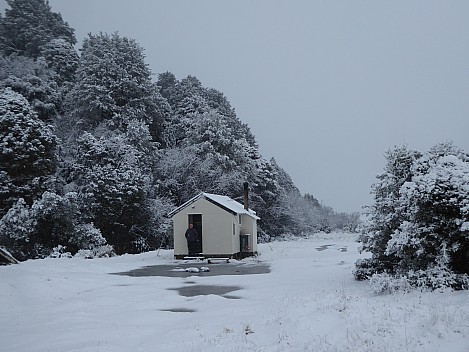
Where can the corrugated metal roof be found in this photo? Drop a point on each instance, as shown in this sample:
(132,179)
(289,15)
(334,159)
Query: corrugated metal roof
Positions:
(223,201)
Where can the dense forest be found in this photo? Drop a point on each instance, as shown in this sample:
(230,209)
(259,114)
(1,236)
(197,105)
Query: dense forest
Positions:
(94,154)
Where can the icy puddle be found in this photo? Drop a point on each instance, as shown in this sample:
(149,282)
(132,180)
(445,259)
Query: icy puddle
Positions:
(326,246)
(179,310)
(197,269)
(201,290)
(204,290)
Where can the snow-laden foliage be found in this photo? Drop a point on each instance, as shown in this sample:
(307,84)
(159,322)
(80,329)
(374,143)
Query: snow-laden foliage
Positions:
(419,223)
(113,84)
(51,223)
(30,24)
(183,172)
(61,57)
(33,80)
(91,242)
(384,283)
(27,151)
(383,215)
(112,188)
(16,227)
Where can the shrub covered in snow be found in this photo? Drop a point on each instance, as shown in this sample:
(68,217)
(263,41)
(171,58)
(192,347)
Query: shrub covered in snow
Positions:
(87,236)
(103,251)
(60,252)
(50,227)
(385,283)
(436,278)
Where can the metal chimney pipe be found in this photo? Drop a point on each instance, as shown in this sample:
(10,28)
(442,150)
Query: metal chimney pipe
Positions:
(246,195)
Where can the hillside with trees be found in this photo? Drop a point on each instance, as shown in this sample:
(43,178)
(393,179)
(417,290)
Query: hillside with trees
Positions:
(95,154)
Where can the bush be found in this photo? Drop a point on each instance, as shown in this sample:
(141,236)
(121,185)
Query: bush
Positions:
(365,269)
(105,251)
(87,236)
(438,278)
(385,283)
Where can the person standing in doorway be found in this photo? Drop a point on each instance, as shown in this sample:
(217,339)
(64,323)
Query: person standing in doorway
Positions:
(192,238)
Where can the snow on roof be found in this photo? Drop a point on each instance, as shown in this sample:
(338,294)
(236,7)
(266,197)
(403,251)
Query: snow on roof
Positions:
(223,201)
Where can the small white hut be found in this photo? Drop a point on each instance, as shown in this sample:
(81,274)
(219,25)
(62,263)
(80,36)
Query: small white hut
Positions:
(225,227)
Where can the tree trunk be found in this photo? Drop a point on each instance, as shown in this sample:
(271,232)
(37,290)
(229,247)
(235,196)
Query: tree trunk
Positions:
(7,256)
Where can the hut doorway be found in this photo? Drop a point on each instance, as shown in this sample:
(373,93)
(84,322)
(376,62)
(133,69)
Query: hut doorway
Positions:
(196,220)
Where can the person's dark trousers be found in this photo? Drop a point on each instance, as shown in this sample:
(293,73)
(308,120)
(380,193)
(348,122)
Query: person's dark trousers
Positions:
(191,246)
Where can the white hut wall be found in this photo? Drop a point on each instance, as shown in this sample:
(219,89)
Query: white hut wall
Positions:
(249,226)
(217,233)
(217,229)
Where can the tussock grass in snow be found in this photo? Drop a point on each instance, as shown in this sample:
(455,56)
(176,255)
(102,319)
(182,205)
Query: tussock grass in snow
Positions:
(308,302)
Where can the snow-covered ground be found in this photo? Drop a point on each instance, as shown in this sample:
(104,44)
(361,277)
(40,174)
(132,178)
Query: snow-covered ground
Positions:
(308,302)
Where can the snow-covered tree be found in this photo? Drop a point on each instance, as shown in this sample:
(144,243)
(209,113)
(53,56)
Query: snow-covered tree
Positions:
(28,25)
(419,221)
(187,103)
(113,84)
(16,227)
(112,188)
(27,151)
(167,82)
(182,172)
(285,204)
(436,205)
(62,58)
(216,137)
(187,97)
(59,223)
(384,215)
(18,66)
(32,79)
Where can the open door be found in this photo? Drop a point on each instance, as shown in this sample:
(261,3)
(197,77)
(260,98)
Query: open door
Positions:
(196,220)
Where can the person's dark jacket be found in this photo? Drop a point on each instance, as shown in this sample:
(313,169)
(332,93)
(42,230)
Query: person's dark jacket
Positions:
(192,235)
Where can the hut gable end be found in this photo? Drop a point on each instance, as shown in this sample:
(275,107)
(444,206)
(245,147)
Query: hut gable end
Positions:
(224,227)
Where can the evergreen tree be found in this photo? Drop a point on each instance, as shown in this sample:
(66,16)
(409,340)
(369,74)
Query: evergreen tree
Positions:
(27,151)
(32,79)
(113,85)
(418,225)
(113,190)
(289,218)
(167,82)
(16,227)
(435,202)
(187,97)
(187,102)
(265,193)
(61,57)
(384,214)
(29,25)
(216,137)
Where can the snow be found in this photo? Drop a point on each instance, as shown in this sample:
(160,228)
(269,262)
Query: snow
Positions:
(229,203)
(308,302)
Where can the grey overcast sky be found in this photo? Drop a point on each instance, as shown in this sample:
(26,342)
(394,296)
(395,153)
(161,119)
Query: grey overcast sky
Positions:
(326,86)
